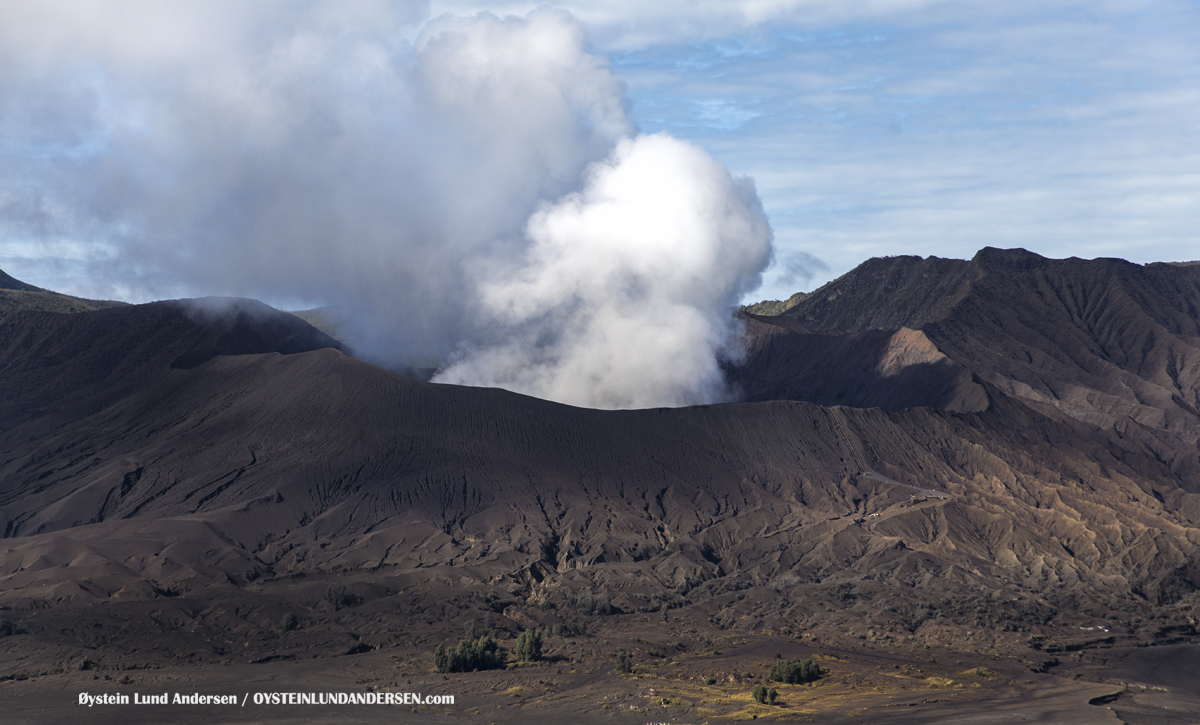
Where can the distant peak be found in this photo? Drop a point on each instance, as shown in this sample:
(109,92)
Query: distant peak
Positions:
(1019,258)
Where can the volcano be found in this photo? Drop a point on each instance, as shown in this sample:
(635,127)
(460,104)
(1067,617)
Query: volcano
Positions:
(992,459)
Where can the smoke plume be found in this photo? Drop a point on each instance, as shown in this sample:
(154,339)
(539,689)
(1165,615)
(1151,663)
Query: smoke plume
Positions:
(467,190)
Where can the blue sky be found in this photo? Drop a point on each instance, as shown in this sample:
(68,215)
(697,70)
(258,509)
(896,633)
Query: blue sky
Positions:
(1067,128)
(879,127)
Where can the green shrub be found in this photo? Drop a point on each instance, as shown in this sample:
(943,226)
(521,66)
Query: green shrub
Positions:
(529,646)
(794,672)
(573,629)
(771,695)
(482,653)
(288,622)
(760,694)
(624,662)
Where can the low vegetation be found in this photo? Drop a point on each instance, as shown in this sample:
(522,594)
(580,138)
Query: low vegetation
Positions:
(529,646)
(469,655)
(774,307)
(764,696)
(572,629)
(794,672)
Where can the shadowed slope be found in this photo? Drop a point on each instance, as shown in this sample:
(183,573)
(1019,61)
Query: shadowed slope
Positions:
(252,466)
(871,369)
(53,362)
(9,283)
(175,493)
(1105,341)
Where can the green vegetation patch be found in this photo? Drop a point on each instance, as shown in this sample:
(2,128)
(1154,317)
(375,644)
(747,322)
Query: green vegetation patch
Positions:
(480,653)
(794,672)
(569,629)
(529,646)
(774,307)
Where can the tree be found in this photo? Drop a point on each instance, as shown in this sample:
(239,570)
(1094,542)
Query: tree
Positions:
(529,646)
(760,694)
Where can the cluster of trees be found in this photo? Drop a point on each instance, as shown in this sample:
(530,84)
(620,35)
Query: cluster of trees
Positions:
(794,672)
(481,651)
(478,653)
(588,603)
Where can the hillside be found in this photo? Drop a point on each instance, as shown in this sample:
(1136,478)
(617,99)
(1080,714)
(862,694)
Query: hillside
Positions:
(9,283)
(312,461)
(324,319)
(17,295)
(893,370)
(176,478)
(68,365)
(774,307)
(1105,341)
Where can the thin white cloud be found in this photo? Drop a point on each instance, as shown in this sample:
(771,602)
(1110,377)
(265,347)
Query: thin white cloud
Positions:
(1066,129)
(630,24)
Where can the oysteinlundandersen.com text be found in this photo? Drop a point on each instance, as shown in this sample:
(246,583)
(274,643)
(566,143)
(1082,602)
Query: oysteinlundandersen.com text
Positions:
(269,698)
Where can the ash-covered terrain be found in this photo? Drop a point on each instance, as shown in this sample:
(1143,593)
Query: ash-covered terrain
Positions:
(963,487)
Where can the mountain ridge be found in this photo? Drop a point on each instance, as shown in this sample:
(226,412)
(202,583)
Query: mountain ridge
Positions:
(188,484)
(1105,341)
(18,295)
(256,443)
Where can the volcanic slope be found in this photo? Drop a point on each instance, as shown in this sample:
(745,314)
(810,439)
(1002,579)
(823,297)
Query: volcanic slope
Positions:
(1104,341)
(889,369)
(171,454)
(69,364)
(15,294)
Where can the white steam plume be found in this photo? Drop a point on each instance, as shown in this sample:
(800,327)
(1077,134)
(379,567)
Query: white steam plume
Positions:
(625,294)
(423,175)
